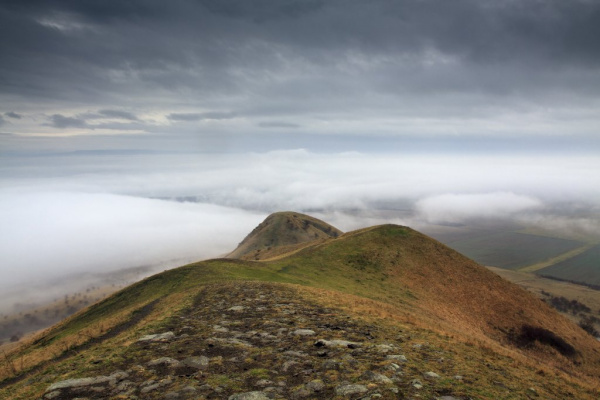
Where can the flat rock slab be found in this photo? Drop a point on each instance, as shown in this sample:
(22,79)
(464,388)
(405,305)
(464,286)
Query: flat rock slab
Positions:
(157,337)
(249,396)
(350,390)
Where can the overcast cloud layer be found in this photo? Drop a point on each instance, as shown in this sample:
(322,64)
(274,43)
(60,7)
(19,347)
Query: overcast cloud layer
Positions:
(444,111)
(225,68)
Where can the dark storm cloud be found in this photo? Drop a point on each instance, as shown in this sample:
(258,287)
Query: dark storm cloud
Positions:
(12,114)
(340,60)
(61,121)
(118,114)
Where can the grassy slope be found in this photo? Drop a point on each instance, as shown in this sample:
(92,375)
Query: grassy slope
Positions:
(282,232)
(398,273)
(582,267)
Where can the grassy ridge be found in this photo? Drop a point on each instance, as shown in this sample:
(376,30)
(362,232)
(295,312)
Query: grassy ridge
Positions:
(411,277)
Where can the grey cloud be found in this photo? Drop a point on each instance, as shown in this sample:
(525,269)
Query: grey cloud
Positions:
(277,124)
(118,114)
(201,116)
(335,60)
(2,121)
(12,114)
(61,121)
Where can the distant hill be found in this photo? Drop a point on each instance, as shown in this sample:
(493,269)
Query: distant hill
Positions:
(282,232)
(383,311)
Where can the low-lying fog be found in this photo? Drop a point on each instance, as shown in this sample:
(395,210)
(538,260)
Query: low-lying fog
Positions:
(65,216)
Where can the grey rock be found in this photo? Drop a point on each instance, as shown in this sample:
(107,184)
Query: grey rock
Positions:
(303,332)
(288,364)
(158,337)
(376,377)
(315,386)
(264,383)
(165,362)
(331,365)
(301,393)
(417,384)
(150,388)
(236,308)
(431,375)
(349,390)
(249,396)
(220,329)
(394,367)
(172,396)
(197,362)
(396,357)
(110,380)
(385,348)
(297,354)
(337,343)
(230,341)
(188,390)
(77,383)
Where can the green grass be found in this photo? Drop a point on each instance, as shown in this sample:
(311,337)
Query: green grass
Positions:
(584,267)
(511,250)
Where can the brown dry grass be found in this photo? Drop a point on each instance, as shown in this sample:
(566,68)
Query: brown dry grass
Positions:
(445,334)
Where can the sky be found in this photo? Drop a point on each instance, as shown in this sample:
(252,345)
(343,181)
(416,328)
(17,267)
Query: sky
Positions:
(142,132)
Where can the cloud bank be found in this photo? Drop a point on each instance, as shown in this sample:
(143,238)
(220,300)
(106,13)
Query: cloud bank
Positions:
(460,208)
(54,234)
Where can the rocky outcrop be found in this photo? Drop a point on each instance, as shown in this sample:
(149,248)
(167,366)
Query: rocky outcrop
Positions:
(257,341)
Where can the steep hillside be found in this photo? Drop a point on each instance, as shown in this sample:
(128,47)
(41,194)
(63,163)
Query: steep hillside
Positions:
(280,233)
(384,311)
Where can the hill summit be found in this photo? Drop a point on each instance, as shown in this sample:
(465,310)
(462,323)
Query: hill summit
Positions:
(282,232)
(382,312)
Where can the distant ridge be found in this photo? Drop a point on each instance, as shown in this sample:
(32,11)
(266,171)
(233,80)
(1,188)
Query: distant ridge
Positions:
(282,232)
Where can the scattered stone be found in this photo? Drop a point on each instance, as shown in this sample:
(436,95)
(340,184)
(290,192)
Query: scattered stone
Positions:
(315,386)
(197,362)
(384,348)
(337,343)
(297,354)
(220,329)
(158,337)
(376,377)
(249,396)
(350,390)
(164,361)
(431,375)
(236,308)
(264,383)
(331,365)
(417,384)
(230,341)
(100,382)
(288,364)
(396,357)
(303,332)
